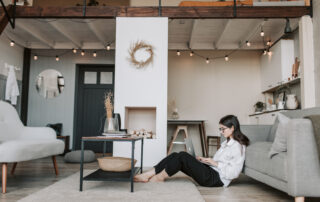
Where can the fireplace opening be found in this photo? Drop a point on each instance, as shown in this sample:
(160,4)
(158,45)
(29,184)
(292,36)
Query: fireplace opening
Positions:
(141,121)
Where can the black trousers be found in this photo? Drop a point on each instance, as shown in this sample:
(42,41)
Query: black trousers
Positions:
(203,174)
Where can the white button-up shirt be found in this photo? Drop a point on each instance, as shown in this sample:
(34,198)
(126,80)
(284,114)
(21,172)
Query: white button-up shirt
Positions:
(230,158)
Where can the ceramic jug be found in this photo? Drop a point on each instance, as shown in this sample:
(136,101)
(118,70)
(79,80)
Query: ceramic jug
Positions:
(292,101)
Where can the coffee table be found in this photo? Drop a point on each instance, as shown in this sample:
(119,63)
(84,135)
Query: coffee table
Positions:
(100,175)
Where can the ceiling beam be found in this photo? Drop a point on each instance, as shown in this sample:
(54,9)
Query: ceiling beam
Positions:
(192,33)
(98,33)
(173,12)
(36,33)
(223,32)
(69,35)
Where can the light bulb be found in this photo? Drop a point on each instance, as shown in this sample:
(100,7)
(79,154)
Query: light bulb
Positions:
(269,43)
(261,33)
(11,43)
(226,58)
(178,53)
(94,54)
(108,47)
(82,53)
(264,52)
(35,57)
(191,53)
(248,43)
(207,61)
(269,53)
(74,50)
(57,58)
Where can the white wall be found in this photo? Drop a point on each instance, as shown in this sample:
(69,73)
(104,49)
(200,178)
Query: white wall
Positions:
(145,87)
(11,55)
(211,91)
(42,111)
(316,34)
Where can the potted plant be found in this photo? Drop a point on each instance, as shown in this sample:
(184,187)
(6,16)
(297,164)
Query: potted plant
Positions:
(259,106)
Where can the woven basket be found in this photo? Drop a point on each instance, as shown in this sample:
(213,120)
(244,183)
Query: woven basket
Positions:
(115,164)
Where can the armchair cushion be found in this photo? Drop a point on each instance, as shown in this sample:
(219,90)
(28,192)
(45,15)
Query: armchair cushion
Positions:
(39,133)
(24,150)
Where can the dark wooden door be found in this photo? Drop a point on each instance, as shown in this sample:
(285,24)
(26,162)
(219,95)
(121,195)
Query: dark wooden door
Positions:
(92,83)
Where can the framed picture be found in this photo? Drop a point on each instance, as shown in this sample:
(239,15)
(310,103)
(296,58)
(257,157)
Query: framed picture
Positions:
(281,96)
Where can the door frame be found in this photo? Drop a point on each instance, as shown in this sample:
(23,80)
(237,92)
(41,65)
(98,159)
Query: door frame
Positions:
(76,93)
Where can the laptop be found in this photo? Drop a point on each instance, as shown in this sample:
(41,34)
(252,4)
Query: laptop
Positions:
(190,149)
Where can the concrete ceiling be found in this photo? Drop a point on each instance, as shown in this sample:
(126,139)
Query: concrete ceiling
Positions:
(198,34)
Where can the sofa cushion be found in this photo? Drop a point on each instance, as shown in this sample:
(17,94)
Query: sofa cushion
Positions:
(25,150)
(273,130)
(280,141)
(257,159)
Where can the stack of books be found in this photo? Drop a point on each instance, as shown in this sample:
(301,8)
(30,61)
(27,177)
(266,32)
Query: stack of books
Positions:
(115,134)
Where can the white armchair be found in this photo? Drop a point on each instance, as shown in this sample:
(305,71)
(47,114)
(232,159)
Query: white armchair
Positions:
(19,143)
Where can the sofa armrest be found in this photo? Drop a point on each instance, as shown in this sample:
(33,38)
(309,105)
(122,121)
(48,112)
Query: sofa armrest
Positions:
(38,133)
(256,133)
(302,158)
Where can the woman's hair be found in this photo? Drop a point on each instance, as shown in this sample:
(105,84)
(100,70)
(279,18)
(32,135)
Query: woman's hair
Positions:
(231,120)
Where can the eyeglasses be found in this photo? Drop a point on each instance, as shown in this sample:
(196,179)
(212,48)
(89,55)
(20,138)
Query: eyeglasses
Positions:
(222,129)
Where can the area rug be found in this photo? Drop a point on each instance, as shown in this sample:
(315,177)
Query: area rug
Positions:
(174,189)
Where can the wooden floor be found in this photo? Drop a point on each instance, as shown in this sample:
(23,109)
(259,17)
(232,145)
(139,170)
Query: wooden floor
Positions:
(32,176)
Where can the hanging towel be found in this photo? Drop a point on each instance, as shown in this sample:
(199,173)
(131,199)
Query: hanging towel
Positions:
(12,89)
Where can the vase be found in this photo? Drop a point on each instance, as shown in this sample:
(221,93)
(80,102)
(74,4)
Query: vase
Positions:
(110,125)
(292,101)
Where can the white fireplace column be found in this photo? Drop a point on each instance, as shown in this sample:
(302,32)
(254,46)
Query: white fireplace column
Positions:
(145,87)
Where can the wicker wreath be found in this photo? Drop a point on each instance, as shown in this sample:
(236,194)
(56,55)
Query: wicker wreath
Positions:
(140,45)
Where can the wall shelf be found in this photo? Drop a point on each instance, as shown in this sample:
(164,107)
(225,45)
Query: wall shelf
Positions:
(291,82)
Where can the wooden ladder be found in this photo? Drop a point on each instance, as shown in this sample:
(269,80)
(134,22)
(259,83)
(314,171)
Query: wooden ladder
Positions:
(175,135)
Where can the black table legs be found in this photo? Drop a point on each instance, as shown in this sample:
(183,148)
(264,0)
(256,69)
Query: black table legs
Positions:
(81,164)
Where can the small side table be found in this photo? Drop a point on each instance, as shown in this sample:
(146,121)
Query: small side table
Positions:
(216,139)
(100,175)
(66,140)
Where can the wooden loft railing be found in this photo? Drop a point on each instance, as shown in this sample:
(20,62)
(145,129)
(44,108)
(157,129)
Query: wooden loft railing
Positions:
(171,12)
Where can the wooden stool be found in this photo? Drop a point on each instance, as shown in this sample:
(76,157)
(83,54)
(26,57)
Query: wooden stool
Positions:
(174,137)
(217,141)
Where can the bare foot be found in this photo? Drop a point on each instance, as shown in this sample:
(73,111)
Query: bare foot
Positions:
(156,178)
(141,178)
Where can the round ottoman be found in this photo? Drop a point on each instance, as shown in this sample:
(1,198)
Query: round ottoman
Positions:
(75,156)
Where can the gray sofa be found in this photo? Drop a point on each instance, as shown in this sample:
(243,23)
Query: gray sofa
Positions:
(297,171)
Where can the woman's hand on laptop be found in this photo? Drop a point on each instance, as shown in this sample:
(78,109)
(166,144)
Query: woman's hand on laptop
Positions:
(199,158)
(209,161)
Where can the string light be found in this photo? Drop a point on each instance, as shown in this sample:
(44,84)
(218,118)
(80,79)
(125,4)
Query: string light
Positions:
(262,32)
(178,53)
(94,54)
(191,53)
(35,57)
(108,47)
(269,53)
(12,43)
(248,43)
(57,58)
(74,50)
(207,61)
(82,53)
(269,43)
(226,58)
(264,52)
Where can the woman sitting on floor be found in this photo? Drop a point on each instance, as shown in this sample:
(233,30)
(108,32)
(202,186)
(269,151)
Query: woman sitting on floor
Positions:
(218,171)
